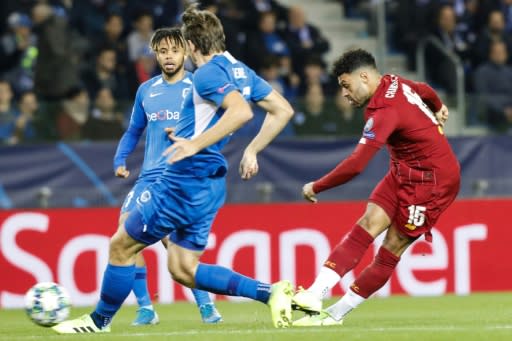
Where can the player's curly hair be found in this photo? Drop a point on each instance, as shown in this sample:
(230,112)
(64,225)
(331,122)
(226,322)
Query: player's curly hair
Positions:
(171,33)
(353,60)
(203,29)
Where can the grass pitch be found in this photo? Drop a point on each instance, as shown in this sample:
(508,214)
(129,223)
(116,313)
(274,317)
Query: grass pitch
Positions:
(468,318)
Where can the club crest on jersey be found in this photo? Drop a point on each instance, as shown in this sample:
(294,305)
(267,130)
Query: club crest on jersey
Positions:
(145,196)
(367,131)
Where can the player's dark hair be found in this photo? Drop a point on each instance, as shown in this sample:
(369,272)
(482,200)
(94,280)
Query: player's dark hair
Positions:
(203,29)
(353,60)
(173,34)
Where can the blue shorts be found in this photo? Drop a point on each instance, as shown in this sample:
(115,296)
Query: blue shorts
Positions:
(181,206)
(130,201)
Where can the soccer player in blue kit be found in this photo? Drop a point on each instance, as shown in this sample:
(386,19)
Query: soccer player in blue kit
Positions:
(184,200)
(157,107)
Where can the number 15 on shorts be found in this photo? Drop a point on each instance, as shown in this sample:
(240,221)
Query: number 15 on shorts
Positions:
(416,216)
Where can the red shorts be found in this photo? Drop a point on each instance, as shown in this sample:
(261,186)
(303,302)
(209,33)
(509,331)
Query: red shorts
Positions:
(415,205)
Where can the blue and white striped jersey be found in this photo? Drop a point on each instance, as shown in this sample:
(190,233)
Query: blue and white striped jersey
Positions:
(202,108)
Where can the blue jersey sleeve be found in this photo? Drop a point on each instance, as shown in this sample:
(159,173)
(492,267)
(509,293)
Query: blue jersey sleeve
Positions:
(132,135)
(260,88)
(212,83)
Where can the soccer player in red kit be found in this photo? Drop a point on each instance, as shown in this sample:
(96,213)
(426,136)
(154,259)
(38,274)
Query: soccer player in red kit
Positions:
(423,180)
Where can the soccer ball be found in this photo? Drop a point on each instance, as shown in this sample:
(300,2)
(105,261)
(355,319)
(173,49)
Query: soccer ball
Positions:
(47,304)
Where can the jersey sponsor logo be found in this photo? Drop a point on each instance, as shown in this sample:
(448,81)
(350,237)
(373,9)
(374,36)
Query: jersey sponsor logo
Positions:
(163,115)
(393,87)
(223,88)
(154,94)
(367,131)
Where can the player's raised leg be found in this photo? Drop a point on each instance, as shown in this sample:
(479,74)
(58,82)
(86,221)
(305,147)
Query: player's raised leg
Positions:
(116,285)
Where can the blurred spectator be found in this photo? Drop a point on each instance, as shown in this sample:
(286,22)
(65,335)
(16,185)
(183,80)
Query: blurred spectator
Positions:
(315,72)
(441,68)
(467,21)
(163,12)
(316,116)
(8,115)
(58,59)
(145,66)
(254,8)
(352,119)
(105,123)
(103,75)
(495,31)
(27,107)
(73,113)
(112,35)
(232,19)
(304,40)
(88,17)
(506,8)
(265,40)
(493,84)
(413,22)
(18,53)
(138,39)
(270,71)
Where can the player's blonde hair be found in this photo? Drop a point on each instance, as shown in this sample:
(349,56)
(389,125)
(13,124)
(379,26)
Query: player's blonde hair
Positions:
(204,30)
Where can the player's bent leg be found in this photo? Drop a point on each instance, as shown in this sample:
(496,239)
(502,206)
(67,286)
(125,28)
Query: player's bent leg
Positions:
(116,285)
(183,260)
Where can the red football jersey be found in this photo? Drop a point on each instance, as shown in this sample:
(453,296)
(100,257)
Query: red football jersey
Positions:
(397,115)
(400,115)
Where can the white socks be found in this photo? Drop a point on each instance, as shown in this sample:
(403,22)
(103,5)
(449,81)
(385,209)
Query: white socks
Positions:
(325,281)
(349,301)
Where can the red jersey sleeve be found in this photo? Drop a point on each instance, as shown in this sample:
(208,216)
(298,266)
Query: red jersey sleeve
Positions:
(347,169)
(427,94)
(379,126)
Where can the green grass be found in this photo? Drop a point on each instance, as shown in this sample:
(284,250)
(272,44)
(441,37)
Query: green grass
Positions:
(468,318)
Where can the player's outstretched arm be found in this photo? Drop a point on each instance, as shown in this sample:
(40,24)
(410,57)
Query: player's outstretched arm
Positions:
(343,172)
(279,112)
(237,113)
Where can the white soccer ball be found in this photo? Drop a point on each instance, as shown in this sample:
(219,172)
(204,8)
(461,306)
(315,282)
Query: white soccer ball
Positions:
(47,304)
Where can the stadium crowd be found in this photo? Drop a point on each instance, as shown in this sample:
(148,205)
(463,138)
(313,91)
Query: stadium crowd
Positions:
(69,67)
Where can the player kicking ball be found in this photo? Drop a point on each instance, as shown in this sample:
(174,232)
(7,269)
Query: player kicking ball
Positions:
(422,182)
(183,202)
(157,109)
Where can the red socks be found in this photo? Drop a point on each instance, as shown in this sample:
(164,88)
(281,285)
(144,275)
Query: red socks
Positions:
(347,254)
(375,275)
